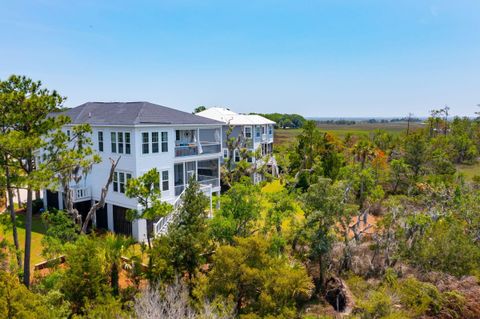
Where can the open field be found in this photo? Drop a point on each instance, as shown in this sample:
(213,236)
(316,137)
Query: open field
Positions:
(469,170)
(284,136)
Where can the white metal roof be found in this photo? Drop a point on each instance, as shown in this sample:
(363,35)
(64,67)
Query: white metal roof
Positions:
(232,118)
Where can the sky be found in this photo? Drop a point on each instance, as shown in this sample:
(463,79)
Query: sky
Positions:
(337,58)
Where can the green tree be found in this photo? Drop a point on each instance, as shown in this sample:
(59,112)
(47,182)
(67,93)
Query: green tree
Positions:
(114,247)
(16,301)
(398,174)
(259,283)
(188,233)
(61,229)
(239,212)
(326,207)
(85,277)
(199,109)
(415,153)
(445,246)
(71,157)
(27,107)
(146,190)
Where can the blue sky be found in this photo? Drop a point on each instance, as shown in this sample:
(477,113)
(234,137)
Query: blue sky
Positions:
(316,58)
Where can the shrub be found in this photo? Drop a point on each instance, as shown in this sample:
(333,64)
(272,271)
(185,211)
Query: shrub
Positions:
(419,297)
(446,247)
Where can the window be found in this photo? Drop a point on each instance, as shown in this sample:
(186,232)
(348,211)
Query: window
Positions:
(270,129)
(237,156)
(113,136)
(68,134)
(263,129)
(164,141)
(145,148)
(257,131)
(120,142)
(115,181)
(164,180)
(225,153)
(100,141)
(248,132)
(127,142)
(120,180)
(154,142)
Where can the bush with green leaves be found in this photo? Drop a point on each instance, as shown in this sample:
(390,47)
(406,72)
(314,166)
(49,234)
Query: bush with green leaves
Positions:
(445,246)
(259,283)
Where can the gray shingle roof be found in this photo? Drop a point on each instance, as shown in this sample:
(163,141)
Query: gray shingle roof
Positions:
(130,113)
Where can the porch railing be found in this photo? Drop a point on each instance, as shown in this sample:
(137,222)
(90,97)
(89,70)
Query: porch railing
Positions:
(193,149)
(208,180)
(161,227)
(186,150)
(81,193)
(209,147)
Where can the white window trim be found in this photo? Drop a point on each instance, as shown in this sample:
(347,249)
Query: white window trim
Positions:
(102,141)
(162,180)
(245,131)
(152,142)
(118,143)
(145,143)
(162,141)
(116,180)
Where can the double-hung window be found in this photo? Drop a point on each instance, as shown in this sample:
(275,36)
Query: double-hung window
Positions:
(225,153)
(120,142)
(237,156)
(113,137)
(120,145)
(257,131)
(127,143)
(120,180)
(270,129)
(154,142)
(165,181)
(100,141)
(164,142)
(145,143)
(248,132)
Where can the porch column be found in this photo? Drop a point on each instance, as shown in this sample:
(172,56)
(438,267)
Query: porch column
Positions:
(44,198)
(139,230)
(60,200)
(110,216)
(139,227)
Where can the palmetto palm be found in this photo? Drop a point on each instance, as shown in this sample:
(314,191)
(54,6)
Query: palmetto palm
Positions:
(115,246)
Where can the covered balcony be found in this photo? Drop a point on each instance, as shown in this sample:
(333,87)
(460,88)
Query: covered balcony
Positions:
(206,172)
(197,141)
(81,193)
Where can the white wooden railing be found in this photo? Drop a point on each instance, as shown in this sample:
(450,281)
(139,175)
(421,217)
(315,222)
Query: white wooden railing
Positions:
(161,227)
(81,193)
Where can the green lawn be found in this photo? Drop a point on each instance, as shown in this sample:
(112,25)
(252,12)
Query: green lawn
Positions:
(38,231)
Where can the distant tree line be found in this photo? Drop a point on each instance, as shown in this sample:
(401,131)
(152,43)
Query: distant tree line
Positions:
(337,122)
(285,120)
(371,121)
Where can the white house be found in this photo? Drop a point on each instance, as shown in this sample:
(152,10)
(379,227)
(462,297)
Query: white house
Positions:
(256,130)
(146,136)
